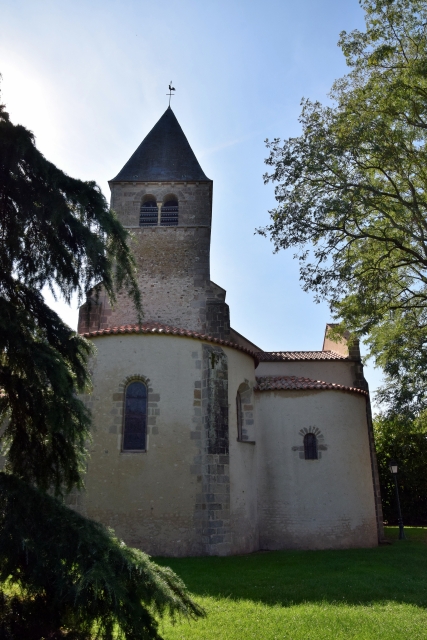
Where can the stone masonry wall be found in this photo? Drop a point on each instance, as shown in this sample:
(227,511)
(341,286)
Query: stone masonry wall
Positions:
(361,383)
(213,503)
(173,273)
(375,473)
(172,262)
(194,200)
(218,319)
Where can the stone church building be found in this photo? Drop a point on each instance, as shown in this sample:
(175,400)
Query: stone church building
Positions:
(204,444)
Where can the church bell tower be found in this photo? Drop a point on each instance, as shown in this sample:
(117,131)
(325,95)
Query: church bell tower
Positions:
(164,198)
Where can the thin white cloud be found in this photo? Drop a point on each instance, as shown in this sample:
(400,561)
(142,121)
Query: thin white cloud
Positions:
(225,145)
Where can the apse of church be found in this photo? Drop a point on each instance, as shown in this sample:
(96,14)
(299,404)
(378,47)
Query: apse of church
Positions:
(203,444)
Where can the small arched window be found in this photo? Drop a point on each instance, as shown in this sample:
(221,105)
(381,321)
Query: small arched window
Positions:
(239,413)
(310,446)
(135,423)
(149,213)
(169,217)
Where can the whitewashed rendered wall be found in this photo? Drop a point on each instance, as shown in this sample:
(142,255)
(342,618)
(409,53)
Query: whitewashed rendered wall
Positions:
(147,497)
(243,466)
(329,371)
(154,500)
(314,504)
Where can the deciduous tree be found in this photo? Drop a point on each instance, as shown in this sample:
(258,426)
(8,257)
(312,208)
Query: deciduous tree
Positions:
(399,438)
(351,189)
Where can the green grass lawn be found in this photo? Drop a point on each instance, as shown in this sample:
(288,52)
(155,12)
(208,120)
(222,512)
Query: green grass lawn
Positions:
(311,595)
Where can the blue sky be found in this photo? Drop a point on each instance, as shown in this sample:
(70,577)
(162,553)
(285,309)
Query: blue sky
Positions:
(90,78)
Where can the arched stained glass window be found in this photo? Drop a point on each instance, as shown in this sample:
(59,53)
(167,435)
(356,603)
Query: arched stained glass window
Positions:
(310,446)
(135,423)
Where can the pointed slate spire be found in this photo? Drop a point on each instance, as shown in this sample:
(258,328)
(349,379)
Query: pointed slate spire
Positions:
(163,156)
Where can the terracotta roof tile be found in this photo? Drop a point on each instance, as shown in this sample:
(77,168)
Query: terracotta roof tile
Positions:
(163,329)
(275,356)
(294,383)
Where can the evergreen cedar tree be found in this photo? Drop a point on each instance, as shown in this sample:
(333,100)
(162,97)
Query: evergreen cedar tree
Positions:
(351,196)
(72,575)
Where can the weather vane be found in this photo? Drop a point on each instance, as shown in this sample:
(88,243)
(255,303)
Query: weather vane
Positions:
(170,94)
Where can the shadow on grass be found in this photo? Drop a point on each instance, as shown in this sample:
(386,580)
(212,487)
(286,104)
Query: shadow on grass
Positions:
(395,572)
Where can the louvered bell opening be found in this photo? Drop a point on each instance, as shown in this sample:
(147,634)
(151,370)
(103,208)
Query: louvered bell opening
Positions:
(169,217)
(148,214)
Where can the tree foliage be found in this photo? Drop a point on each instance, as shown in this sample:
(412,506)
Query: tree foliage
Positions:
(351,190)
(64,574)
(74,575)
(405,440)
(55,232)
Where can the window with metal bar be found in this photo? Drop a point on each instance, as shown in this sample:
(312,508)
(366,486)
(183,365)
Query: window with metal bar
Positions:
(135,418)
(310,446)
(169,215)
(148,214)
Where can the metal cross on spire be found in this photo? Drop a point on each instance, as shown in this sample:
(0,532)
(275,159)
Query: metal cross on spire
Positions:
(170,94)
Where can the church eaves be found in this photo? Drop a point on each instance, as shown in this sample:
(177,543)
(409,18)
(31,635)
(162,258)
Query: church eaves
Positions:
(286,356)
(295,383)
(156,328)
(164,155)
